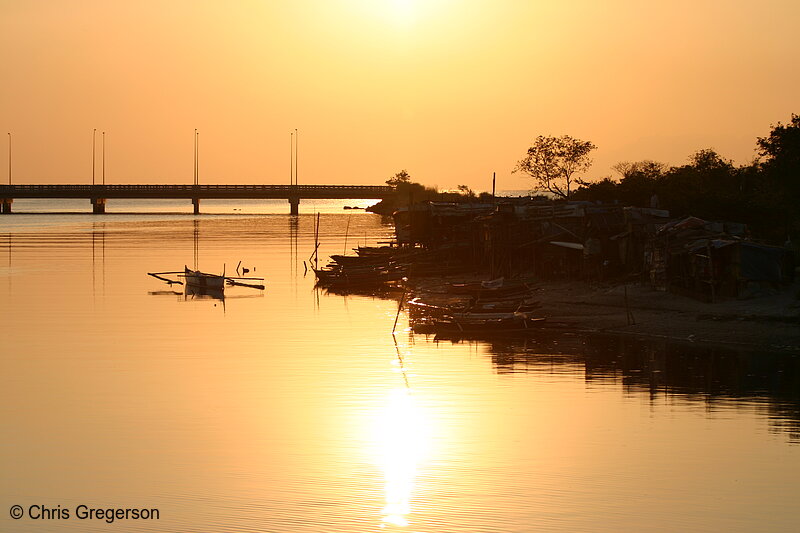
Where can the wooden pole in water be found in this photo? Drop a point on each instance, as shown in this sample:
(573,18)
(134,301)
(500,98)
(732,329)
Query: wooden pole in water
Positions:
(316,243)
(628,314)
(346,231)
(399,307)
(710,272)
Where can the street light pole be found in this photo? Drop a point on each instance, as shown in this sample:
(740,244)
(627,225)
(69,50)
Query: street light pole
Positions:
(291,158)
(9,158)
(104,159)
(94,136)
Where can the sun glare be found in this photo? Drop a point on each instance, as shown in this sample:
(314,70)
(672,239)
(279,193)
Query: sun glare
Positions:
(402,11)
(401,433)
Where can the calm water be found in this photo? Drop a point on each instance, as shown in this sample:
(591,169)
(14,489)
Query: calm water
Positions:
(292,410)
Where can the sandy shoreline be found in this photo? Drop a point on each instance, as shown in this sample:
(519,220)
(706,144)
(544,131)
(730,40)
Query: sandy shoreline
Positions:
(770,321)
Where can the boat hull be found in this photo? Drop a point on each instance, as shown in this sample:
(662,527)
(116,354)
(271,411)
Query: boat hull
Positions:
(201,280)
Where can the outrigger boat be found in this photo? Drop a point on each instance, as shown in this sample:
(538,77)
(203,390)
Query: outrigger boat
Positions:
(202,280)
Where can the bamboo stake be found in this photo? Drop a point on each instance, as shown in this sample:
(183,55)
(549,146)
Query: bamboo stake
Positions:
(316,244)
(402,363)
(399,307)
(629,315)
(346,231)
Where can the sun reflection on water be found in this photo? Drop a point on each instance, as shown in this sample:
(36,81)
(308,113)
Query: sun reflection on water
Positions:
(402,435)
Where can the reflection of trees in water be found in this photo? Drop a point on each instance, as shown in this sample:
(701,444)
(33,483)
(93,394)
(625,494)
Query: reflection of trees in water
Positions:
(711,374)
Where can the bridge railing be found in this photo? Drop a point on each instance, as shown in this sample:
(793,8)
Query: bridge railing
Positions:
(195,191)
(90,188)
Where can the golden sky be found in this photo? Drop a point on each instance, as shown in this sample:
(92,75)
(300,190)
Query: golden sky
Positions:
(449,90)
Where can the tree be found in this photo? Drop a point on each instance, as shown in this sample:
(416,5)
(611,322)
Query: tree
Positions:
(401,178)
(707,187)
(604,191)
(552,161)
(780,173)
(645,168)
(781,151)
(640,181)
(708,160)
(783,144)
(466,191)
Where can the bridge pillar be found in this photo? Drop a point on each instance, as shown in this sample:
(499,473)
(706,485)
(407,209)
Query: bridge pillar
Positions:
(294,205)
(6,205)
(98,206)
(196,205)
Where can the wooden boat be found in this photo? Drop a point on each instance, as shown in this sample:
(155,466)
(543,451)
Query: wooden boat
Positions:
(343,277)
(192,291)
(481,323)
(360,260)
(201,283)
(420,306)
(202,280)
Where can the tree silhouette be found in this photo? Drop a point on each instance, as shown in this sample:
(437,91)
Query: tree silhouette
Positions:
(466,191)
(780,172)
(552,161)
(400,178)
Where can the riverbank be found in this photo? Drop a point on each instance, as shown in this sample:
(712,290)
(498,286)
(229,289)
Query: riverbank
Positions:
(768,321)
(764,317)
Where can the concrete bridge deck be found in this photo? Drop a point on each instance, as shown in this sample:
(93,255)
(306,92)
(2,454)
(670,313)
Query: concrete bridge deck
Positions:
(99,194)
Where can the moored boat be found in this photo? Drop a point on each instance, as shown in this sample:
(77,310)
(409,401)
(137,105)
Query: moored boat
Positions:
(202,280)
(481,323)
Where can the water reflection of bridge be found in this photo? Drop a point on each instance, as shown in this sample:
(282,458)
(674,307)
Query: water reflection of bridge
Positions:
(712,374)
(99,194)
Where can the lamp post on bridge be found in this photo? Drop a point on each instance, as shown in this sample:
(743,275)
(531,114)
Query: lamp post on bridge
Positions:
(98,193)
(5,203)
(196,184)
(196,157)
(294,197)
(94,143)
(294,138)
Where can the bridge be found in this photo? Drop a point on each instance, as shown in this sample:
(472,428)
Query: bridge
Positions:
(99,194)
